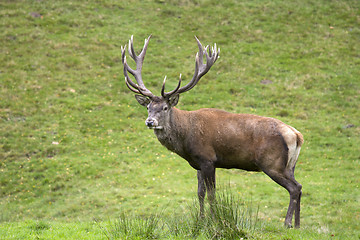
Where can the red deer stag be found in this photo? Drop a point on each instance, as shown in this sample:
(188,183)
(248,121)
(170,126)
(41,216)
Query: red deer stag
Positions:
(212,138)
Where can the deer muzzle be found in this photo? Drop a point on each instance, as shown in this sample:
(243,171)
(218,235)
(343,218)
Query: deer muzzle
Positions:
(152,123)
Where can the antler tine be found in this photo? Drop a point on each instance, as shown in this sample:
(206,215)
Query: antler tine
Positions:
(201,50)
(131,47)
(163,88)
(126,70)
(130,87)
(137,90)
(168,94)
(139,59)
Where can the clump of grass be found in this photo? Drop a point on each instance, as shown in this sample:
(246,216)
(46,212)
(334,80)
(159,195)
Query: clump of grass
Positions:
(230,218)
(132,227)
(227,218)
(39,226)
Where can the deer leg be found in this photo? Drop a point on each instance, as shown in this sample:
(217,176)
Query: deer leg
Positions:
(208,175)
(294,189)
(297,212)
(297,207)
(201,192)
(290,212)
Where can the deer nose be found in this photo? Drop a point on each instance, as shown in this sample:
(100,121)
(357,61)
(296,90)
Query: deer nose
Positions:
(149,122)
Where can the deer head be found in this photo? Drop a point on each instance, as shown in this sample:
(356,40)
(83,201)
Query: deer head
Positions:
(159,107)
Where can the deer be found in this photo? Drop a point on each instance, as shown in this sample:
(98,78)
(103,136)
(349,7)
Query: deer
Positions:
(210,138)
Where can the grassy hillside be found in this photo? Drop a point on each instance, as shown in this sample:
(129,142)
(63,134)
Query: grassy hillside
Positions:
(73,144)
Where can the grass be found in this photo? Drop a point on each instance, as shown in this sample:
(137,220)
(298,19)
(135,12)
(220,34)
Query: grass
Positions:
(229,218)
(73,144)
(38,229)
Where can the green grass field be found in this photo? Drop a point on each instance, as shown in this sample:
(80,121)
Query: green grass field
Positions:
(73,143)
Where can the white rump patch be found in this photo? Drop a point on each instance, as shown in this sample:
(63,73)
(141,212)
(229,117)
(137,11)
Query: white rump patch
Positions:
(290,136)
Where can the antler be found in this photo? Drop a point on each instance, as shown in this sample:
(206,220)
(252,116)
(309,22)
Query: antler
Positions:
(200,69)
(139,59)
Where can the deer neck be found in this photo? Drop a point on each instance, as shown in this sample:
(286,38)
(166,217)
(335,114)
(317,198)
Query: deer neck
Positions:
(174,130)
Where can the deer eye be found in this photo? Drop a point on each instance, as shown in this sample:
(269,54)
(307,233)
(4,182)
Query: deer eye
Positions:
(165,108)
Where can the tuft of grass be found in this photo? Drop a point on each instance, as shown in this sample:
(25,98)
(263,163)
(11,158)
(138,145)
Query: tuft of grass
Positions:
(227,218)
(132,227)
(230,218)
(39,226)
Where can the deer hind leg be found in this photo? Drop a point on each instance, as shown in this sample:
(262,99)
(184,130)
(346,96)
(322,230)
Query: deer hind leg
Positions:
(286,179)
(297,208)
(294,205)
(297,212)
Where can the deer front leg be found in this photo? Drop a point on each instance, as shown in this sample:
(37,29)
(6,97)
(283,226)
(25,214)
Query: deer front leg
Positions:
(207,176)
(201,192)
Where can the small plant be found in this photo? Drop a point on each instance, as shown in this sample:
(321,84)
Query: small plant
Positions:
(132,227)
(39,226)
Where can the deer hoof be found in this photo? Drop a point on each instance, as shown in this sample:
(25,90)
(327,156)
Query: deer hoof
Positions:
(288,225)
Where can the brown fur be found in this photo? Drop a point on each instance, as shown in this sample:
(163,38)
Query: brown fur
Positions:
(227,140)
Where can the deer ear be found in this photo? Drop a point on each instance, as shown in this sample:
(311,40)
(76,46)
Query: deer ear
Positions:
(174,100)
(144,101)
